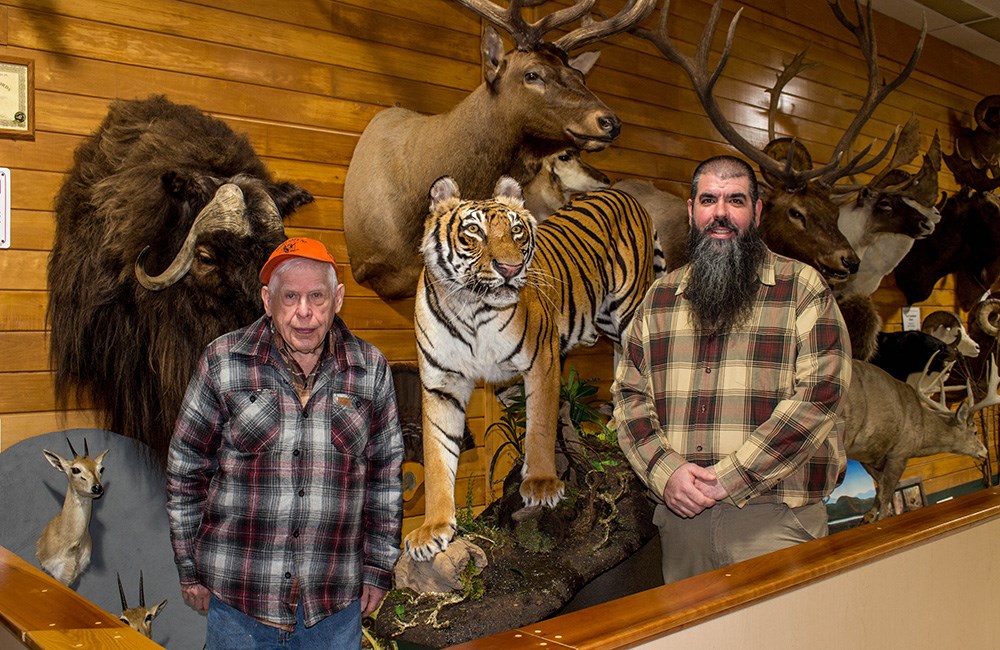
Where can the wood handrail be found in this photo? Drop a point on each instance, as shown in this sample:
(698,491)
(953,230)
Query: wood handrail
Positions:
(661,611)
(43,612)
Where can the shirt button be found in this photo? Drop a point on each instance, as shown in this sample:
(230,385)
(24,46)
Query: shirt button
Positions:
(305,414)
(302,493)
(699,447)
(253,398)
(287,575)
(704,408)
(708,371)
(296,452)
(295,534)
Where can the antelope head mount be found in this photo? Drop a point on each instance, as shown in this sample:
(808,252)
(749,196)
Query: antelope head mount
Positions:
(139,618)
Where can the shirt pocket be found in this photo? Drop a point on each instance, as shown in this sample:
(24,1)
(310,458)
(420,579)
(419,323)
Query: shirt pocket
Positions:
(349,424)
(254,419)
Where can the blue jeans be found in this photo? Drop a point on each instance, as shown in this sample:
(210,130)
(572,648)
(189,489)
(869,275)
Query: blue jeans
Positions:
(231,629)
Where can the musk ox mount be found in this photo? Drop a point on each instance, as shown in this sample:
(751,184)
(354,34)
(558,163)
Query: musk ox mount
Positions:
(162,225)
(513,566)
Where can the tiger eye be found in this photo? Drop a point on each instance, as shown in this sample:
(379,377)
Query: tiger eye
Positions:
(472,228)
(516,229)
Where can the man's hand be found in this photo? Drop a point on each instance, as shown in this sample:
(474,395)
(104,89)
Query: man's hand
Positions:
(691,489)
(370,599)
(196,596)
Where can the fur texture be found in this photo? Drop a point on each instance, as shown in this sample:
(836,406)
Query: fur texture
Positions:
(141,180)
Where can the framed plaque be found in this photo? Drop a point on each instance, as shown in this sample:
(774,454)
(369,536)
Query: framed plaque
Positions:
(17,98)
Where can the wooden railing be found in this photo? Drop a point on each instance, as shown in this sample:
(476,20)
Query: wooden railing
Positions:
(650,618)
(40,613)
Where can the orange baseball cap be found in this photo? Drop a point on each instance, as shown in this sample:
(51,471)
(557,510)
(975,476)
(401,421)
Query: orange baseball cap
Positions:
(295,247)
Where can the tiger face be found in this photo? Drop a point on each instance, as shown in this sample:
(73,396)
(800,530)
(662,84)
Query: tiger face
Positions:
(483,247)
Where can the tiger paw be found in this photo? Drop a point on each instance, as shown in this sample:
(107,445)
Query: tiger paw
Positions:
(542,491)
(429,539)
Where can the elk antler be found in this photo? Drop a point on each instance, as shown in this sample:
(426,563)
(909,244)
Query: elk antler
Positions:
(789,72)
(704,81)
(528,36)
(877,90)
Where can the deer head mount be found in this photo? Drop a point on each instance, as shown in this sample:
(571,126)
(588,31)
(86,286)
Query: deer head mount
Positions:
(799,218)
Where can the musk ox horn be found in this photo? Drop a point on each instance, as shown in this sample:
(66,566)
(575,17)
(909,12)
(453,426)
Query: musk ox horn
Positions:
(224,212)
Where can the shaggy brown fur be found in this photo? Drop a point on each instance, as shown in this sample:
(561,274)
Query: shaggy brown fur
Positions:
(140,181)
(863,325)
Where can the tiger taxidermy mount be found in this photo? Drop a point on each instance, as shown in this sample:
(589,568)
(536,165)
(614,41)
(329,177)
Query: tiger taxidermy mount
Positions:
(502,297)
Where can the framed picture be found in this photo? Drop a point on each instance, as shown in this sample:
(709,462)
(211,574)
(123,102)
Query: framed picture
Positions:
(909,495)
(17,98)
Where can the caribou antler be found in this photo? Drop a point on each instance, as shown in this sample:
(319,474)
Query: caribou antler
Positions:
(704,81)
(528,36)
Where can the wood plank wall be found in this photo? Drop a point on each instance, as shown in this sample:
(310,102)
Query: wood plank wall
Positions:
(304,77)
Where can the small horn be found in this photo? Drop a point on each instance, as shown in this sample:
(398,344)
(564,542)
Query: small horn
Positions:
(142,592)
(121,591)
(71,447)
(86,448)
(984,311)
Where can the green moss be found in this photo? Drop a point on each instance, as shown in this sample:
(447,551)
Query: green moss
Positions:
(531,538)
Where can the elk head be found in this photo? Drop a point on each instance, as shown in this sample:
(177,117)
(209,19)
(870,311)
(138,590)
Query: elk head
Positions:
(544,89)
(799,218)
(139,618)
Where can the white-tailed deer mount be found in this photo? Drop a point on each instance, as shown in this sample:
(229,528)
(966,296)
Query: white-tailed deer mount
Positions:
(64,546)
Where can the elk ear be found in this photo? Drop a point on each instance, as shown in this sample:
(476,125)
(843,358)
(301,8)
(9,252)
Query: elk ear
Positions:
(585,62)
(493,59)
(288,197)
(55,460)
(444,189)
(509,191)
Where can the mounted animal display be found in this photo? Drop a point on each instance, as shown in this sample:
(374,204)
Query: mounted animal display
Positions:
(976,159)
(64,547)
(502,298)
(887,422)
(139,618)
(161,227)
(533,103)
(799,219)
(983,327)
(561,175)
(966,242)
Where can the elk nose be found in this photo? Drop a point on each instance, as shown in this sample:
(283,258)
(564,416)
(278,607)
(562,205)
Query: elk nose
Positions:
(610,124)
(507,271)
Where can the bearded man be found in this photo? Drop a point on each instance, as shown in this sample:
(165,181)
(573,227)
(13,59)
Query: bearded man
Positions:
(729,388)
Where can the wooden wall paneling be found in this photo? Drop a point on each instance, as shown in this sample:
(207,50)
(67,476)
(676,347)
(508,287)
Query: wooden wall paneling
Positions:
(303,79)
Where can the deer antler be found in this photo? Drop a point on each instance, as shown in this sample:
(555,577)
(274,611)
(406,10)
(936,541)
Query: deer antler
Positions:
(528,36)
(991,397)
(924,391)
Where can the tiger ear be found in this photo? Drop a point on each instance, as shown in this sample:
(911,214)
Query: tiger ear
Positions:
(444,189)
(507,188)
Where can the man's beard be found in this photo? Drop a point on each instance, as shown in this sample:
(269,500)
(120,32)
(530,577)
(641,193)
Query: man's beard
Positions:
(723,282)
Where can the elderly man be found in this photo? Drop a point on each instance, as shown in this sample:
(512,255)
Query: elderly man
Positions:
(283,478)
(728,391)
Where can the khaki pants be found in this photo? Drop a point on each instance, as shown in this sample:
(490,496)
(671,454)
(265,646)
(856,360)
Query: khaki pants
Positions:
(725,534)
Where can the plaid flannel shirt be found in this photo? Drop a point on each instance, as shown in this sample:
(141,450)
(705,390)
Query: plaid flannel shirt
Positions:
(270,501)
(761,403)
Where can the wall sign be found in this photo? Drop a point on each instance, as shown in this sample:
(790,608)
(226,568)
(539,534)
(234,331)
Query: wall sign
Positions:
(17,98)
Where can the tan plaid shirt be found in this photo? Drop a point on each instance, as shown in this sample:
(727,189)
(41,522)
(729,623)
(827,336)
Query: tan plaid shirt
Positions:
(761,404)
